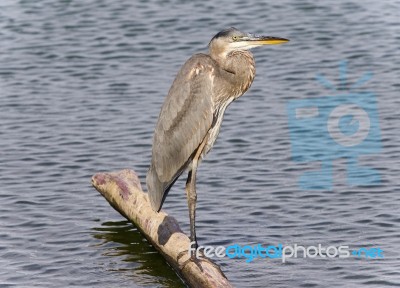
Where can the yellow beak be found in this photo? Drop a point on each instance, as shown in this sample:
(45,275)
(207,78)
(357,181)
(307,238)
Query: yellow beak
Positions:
(267,40)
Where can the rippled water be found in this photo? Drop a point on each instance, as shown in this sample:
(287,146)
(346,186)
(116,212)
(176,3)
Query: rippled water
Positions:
(81,85)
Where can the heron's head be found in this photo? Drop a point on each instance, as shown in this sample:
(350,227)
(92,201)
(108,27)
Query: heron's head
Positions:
(232,39)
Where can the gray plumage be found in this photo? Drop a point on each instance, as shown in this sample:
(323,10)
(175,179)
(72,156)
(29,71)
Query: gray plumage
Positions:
(191,115)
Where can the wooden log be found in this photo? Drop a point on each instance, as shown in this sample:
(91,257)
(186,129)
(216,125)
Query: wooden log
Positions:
(123,191)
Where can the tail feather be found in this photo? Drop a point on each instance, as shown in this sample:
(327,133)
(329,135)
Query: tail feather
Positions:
(155,189)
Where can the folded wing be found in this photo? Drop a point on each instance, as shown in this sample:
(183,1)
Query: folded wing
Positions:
(185,118)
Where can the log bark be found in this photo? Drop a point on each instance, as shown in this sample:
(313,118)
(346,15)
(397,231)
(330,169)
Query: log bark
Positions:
(123,191)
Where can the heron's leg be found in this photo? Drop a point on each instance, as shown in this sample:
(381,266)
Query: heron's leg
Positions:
(192,197)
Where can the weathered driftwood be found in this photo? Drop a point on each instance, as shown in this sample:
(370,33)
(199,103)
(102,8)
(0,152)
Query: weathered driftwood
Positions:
(123,191)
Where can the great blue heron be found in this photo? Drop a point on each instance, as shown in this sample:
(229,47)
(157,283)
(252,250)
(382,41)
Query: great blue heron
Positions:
(192,113)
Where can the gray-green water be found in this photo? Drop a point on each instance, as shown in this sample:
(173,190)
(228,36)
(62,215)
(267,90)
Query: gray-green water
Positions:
(81,85)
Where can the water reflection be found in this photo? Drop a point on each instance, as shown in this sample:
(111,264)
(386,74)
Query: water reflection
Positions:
(133,256)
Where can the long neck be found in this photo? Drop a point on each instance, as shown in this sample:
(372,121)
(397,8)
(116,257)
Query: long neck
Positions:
(240,68)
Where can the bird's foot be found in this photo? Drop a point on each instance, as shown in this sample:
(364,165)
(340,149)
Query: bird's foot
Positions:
(194,255)
(197,256)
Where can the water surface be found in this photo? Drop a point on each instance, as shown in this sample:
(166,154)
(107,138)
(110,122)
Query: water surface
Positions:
(81,85)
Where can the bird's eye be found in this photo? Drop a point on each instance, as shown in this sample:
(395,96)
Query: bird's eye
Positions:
(235,38)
